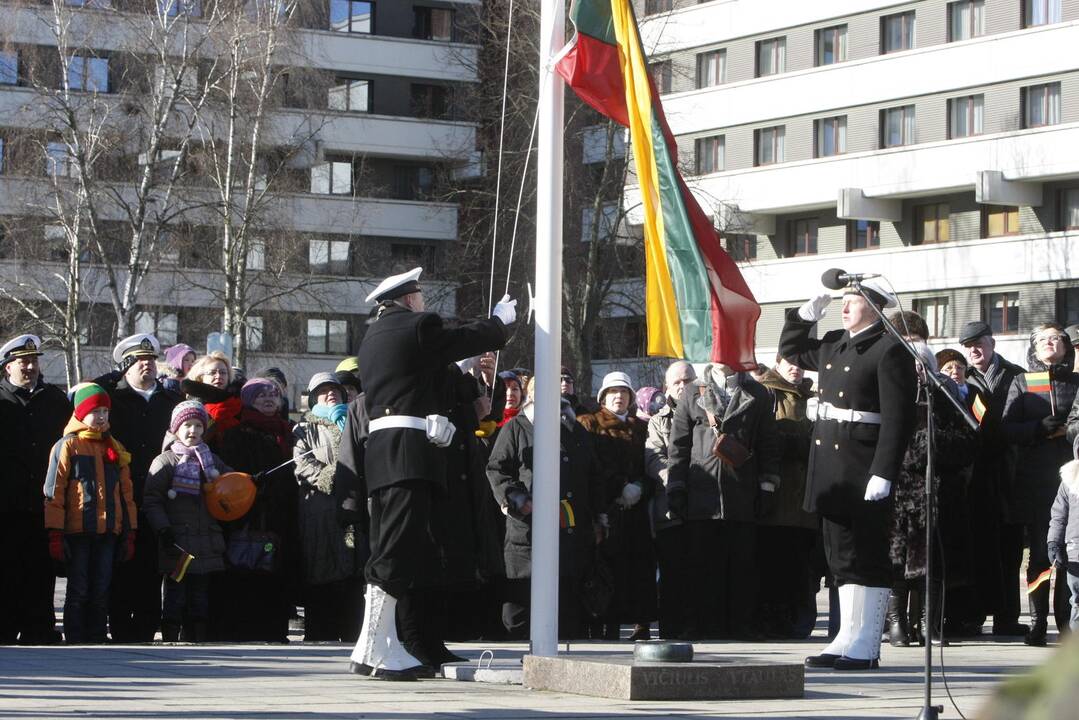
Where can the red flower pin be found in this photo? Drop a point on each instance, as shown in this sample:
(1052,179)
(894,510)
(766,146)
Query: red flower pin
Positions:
(111,454)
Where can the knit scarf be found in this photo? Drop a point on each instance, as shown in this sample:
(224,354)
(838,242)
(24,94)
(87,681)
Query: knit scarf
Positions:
(508,414)
(114,453)
(188,474)
(334,413)
(274,425)
(199,453)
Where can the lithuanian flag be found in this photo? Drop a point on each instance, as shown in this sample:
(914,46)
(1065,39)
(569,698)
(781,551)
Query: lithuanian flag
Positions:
(1038,581)
(697,303)
(978,407)
(1038,382)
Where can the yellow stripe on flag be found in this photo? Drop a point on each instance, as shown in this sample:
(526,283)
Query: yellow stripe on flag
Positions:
(1044,577)
(979,408)
(571,519)
(661,308)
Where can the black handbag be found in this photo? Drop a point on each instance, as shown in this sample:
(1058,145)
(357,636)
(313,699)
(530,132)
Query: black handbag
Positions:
(597,586)
(252,549)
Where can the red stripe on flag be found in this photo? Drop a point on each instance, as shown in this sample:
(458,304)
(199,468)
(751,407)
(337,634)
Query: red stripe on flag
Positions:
(593,70)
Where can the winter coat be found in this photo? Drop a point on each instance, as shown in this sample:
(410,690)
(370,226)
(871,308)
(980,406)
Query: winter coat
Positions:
(140,425)
(1030,495)
(994,466)
(329,551)
(955,447)
(195,529)
(793,430)
(349,482)
(1064,516)
(619,447)
(509,472)
(88,484)
(31,421)
(870,372)
(715,489)
(655,464)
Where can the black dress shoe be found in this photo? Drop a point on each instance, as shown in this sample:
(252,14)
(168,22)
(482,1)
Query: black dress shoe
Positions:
(359,668)
(423,672)
(1011,629)
(394,675)
(824,660)
(1036,636)
(846,663)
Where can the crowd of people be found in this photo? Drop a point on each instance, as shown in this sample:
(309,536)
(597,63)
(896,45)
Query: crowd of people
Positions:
(683,505)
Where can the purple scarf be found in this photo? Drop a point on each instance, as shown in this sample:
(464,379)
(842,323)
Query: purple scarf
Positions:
(194,462)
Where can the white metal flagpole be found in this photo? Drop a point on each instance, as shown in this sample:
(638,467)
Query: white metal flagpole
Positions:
(545,487)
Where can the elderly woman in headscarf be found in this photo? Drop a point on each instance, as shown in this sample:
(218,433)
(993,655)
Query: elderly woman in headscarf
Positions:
(619,436)
(330,561)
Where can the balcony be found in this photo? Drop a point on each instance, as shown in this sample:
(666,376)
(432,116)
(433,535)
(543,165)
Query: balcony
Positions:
(1031,53)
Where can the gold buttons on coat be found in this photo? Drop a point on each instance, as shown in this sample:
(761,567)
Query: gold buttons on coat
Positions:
(840,393)
(818,442)
(837,446)
(846,369)
(828,366)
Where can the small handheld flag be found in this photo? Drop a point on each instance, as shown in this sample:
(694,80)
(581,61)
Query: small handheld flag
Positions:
(182,563)
(567,519)
(978,408)
(1037,582)
(1038,382)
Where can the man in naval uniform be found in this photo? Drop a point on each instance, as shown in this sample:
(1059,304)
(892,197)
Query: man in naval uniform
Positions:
(402,360)
(865,417)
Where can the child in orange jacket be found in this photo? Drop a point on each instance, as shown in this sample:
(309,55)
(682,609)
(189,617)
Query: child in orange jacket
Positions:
(89,507)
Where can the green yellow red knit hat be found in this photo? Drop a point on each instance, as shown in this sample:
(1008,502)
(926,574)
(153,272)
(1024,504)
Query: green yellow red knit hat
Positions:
(87,396)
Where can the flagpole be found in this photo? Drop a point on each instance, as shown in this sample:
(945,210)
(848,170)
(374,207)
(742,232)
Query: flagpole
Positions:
(545,487)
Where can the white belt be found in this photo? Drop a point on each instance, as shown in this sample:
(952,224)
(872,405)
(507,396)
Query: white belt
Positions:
(389,422)
(828,411)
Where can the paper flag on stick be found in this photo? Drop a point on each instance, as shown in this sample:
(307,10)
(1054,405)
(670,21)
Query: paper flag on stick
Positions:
(182,563)
(1036,582)
(978,408)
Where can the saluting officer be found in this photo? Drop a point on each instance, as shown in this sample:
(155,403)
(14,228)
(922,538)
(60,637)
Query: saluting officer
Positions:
(402,359)
(32,418)
(865,416)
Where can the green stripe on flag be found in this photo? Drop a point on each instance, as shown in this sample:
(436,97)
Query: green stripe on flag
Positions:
(594,19)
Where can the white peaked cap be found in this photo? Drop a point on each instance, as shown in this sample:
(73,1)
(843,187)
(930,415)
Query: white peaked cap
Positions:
(396,285)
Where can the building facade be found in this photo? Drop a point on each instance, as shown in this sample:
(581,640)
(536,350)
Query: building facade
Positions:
(372,95)
(932,142)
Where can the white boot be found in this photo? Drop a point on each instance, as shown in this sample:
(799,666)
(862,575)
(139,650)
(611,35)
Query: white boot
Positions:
(838,646)
(871,606)
(378,647)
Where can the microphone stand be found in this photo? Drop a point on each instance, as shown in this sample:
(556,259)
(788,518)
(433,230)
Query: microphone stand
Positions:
(932,384)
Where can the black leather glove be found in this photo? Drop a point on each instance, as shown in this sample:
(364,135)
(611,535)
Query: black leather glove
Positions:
(677,504)
(1050,424)
(166,538)
(1056,557)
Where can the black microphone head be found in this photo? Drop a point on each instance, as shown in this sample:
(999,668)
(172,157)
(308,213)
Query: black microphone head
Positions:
(831,279)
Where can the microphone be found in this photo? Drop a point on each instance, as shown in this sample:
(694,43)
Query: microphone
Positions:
(836,279)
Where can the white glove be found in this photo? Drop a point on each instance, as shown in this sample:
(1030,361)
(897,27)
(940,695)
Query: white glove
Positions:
(878,488)
(768,486)
(440,430)
(506,310)
(631,494)
(814,308)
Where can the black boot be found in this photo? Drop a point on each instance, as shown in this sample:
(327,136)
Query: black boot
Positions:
(434,624)
(914,616)
(898,626)
(410,622)
(170,631)
(933,628)
(1039,616)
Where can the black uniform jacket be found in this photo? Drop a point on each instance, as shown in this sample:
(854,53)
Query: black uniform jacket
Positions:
(871,372)
(402,366)
(30,423)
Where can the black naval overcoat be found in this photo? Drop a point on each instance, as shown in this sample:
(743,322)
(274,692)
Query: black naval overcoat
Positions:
(871,373)
(402,360)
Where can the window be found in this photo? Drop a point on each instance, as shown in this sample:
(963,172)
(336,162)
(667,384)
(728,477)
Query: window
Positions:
(768,145)
(430,101)
(897,126)
(1041,105)
(771,56)
(831,136)
(931,224)
(253,332)
(328,257)
(1068,306)
(90,74)
(803,240)
(594,143)
(9,67)
(327,336)
(165,79)
(863,234)
(1001,312)
(332,178)
(710,153)
(897,32)
(58,161)
(432,23)
(605,228)
(966,20)
(412,183)
(965,116)
(831,45)
(661,75)
(742,247)
(352,16)
(1069,209)
(256,254)
(934,310)
(999,220)
(711,68)
(163,167)
(651,7)
(350,96)
(1040,12)
(95,4)
(161,325)
(172,8)
(56,241)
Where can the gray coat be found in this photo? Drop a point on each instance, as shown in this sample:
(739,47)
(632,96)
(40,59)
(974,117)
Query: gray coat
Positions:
(196,531)
(1064,517)
(328,550)
(655,464)
(715,489)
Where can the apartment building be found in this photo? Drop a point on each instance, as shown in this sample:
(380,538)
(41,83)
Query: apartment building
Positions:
(376,93)
(933,142)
